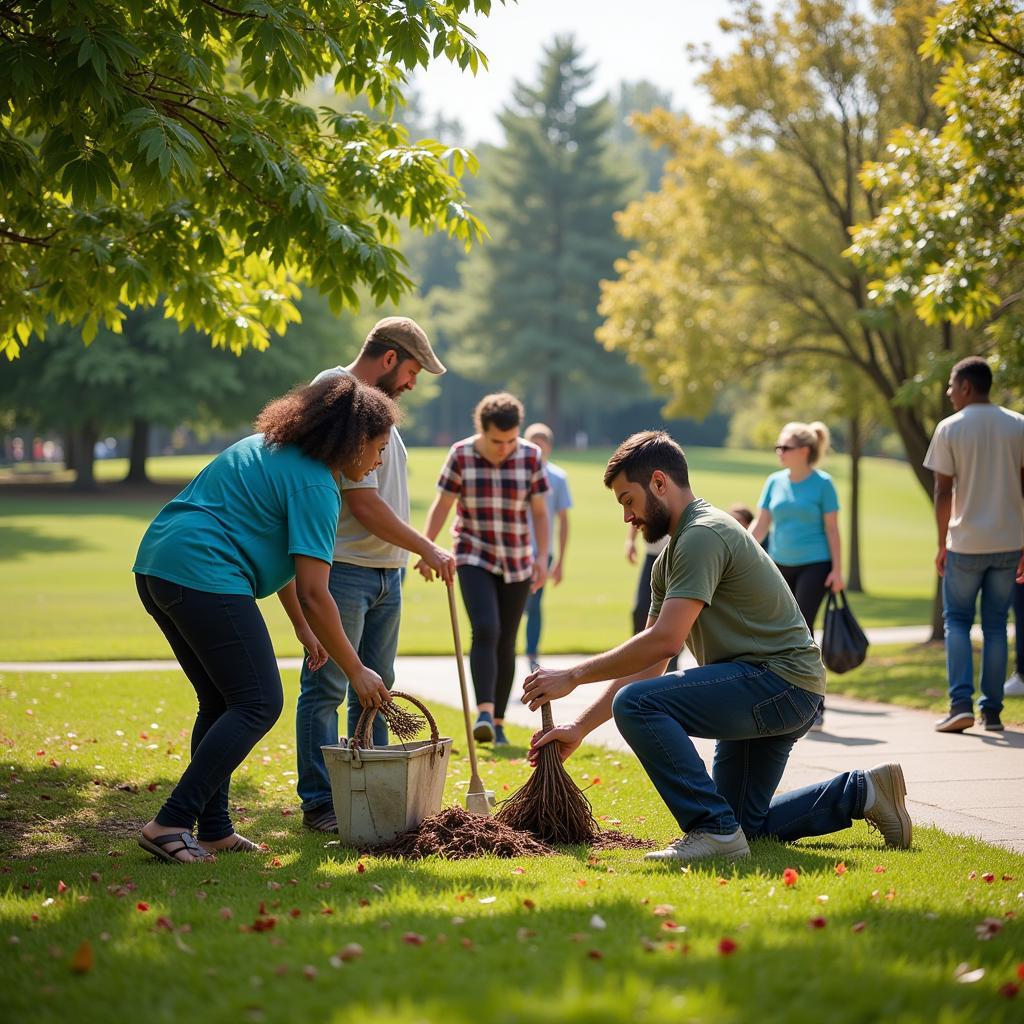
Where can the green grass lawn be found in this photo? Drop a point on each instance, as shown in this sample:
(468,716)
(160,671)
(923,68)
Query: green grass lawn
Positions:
(68,591)
(602,938)
(912,675)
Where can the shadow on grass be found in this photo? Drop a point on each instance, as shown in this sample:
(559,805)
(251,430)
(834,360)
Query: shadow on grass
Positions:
(18,542)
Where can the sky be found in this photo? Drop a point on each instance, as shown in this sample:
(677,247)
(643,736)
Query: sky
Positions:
(639,39)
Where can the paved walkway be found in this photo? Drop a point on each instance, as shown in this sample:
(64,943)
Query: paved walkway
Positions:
(971,783)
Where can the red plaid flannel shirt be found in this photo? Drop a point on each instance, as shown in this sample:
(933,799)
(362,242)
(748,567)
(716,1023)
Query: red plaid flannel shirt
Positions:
(491,526)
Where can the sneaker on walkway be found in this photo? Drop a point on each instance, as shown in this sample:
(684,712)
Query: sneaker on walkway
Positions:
(696,846)
(1014,686)
(888,814)
(500,739)
(960,717)
(991,721)
(321,819)
(483,730)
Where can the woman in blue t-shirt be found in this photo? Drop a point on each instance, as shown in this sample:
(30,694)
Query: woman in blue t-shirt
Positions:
(261,518)
(799,513)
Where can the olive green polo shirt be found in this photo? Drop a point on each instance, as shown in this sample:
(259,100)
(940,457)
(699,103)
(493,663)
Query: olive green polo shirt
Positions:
(750,613)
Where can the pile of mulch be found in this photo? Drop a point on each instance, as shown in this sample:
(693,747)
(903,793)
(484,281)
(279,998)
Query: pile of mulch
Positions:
(455,834)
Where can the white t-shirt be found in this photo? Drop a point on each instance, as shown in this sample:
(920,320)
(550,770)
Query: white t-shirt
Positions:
(982,448)
(355,544)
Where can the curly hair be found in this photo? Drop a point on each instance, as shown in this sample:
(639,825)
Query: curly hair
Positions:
(330,421)
(500,410)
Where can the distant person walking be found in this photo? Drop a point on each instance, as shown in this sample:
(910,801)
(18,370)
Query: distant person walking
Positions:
(259,519)
(977,457)
(559,501)
(496,478)
(642,598)
(799,513)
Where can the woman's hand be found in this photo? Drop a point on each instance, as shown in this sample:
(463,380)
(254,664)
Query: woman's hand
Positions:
(370,688)
(316,653)
(567,737)
(834,581)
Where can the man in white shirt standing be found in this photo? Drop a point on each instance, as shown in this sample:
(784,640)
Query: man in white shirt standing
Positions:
(370,555)
(977,456)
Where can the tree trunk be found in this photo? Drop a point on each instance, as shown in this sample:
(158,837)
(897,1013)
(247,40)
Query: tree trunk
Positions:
(853,577)
(69,448)
(139,452)
(85,437)
(554,403)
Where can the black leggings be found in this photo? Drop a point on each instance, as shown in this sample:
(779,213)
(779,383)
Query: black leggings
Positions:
(222,645)
(642,604)
(494,608)
(808,585)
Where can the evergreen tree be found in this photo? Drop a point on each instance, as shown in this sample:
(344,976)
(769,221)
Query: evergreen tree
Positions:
(526,315)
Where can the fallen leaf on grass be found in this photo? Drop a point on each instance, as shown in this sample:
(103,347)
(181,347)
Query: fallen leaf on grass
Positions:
(880,869)
(727,946)
(988,877)
(309,972)
(488,899)
(61,887)
(349,952)
(140,906)
(413,939)
(841,868)
(1009,990)
(165,923)
(361,867)
(529,904)
(817,922)
(597,922)
(226,913)
(966,976)
(790,876)
(663,910)
(988,928)
(859,926)
(84,960)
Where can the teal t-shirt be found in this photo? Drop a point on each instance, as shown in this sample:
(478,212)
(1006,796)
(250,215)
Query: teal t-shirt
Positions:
(236,528)
(797,535)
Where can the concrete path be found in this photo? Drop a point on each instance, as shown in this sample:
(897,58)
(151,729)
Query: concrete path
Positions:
(971,783)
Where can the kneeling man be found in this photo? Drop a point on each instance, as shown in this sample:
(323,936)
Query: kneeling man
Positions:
(757,688)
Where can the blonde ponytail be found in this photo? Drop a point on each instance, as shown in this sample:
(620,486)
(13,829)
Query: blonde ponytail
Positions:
(815,437)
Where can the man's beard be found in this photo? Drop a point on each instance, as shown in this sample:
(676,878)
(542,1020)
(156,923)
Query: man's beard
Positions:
(657,520)
(388,383)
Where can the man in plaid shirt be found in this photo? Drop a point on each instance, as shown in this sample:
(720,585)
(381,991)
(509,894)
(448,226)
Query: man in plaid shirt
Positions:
(496,478)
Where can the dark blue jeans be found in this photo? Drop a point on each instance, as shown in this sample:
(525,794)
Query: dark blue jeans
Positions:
(967,576)
(370,604)
(222,645)
(756,716)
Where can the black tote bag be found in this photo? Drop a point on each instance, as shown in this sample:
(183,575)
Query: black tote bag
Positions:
(844,645)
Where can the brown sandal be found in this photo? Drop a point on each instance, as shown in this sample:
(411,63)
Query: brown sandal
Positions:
(158,846)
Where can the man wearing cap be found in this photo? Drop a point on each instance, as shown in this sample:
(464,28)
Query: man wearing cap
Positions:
(370,555)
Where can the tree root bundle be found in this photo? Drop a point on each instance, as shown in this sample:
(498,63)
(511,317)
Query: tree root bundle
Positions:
(455,834)
(550,806)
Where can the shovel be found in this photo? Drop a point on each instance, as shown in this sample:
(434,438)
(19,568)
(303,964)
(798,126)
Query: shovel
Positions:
(478,800)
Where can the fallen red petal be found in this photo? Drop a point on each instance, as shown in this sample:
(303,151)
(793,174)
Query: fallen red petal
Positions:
(727,946)
(142,906)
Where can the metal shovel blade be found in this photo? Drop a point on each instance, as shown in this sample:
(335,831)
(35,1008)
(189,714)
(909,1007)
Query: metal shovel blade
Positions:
(480,803)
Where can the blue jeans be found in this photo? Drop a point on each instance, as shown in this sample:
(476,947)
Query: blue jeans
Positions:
(966,576)
(756,716)
(370,604)
(534,622)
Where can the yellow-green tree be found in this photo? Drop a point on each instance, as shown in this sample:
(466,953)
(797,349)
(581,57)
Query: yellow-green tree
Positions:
(738,259)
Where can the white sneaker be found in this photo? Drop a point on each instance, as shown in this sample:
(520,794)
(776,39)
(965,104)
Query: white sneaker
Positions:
(1014,686)
(702,846)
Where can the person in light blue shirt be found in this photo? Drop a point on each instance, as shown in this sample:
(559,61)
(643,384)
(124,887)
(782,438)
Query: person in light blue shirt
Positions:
(261,518)
(559,501)
(799,513)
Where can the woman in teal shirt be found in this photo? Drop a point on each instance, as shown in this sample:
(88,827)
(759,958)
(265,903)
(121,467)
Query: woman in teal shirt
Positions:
(799,513)
(260,519)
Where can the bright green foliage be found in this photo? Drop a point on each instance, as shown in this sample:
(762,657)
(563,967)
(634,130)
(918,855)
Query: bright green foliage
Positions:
(151,150)
(951,235)
(526,313)
(738,258)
